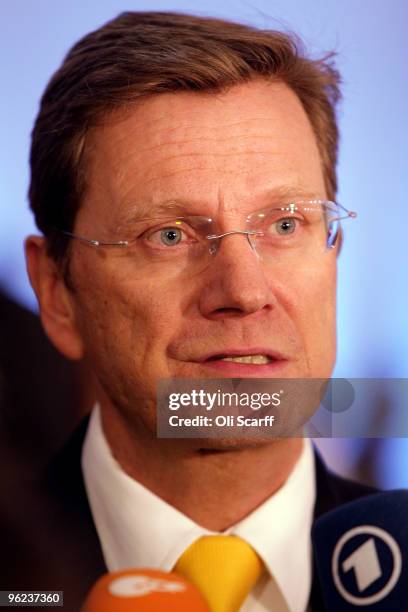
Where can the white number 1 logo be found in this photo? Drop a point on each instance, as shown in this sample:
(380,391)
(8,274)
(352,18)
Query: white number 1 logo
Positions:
(366,565)
(364,561)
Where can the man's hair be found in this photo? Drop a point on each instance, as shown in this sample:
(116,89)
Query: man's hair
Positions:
(139,54)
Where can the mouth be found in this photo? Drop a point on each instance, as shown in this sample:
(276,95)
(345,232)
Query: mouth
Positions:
(252,355)
(250,361)
(259,359)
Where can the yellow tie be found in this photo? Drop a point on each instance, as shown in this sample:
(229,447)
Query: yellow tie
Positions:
(223,568)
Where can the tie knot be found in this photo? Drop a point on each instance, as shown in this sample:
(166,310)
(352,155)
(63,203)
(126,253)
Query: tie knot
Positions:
(224,569)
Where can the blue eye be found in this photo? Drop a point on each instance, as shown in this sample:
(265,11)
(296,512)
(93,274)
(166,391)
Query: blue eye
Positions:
(170,236)
(286,226)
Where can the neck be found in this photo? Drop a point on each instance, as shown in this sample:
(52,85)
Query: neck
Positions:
(216,486)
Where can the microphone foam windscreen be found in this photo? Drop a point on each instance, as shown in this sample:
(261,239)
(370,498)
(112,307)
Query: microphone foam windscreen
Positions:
(144,590)
(361,552)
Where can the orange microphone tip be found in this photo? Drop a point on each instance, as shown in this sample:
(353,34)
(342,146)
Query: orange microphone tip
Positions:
(144,590)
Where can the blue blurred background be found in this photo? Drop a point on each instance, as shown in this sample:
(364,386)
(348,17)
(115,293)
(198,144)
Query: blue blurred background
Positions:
(372,45)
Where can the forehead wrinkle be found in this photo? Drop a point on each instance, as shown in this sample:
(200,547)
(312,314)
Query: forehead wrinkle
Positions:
(174,173)
(235,153)
(146,169)
(222,140)
(178,171)
(215,128)
(132,157)
(267,135)
(151,128)
(174,156)
(225,171)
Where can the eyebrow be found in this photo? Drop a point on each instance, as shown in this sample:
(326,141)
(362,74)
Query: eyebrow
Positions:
(147,210)
(177,208)
(294,193)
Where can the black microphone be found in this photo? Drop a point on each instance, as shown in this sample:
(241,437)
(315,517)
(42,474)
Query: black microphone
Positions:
(361,552)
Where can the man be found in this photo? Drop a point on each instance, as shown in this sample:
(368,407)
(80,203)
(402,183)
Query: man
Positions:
(156,126)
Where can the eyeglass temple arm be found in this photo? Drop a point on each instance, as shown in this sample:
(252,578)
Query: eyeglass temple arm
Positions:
(350,215)
(95,243)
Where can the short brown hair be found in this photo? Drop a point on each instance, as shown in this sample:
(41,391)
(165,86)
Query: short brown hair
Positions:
(139,54)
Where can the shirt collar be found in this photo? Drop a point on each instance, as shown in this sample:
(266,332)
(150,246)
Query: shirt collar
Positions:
(279,530)
(138,529)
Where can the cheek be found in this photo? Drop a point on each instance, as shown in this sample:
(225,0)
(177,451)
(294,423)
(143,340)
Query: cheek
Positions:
(314,311)
(126,328)
(126,317)
(321,323)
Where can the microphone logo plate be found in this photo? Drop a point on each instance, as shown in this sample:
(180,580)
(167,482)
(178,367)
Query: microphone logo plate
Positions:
(140,586)
(366,565)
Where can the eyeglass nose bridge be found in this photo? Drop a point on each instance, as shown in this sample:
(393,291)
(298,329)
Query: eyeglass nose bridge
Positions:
(216,238)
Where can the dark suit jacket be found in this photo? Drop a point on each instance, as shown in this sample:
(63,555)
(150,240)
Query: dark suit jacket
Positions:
(51,542)
(35,379)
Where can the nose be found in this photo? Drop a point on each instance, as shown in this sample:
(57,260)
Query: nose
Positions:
(236,283)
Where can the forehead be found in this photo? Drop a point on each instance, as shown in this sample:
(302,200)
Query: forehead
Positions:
(230,149)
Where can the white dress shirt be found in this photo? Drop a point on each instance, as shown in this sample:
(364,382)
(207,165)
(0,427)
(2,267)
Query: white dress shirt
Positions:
(137,528)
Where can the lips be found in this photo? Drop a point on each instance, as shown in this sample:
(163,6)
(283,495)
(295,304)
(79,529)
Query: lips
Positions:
(232,362)
(242,363)
(249,359)
(250,355)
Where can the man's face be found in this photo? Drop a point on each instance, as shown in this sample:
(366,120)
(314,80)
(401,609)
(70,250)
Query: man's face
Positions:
(221,156)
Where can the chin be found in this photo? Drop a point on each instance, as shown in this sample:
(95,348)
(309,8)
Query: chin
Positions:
(226,445)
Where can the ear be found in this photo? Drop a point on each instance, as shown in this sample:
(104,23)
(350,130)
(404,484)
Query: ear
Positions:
(54,298)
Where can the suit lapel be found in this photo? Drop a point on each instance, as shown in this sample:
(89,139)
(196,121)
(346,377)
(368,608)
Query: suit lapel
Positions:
(332,491)
(65,487)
